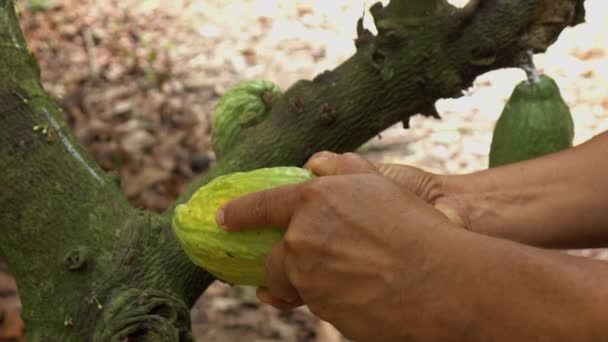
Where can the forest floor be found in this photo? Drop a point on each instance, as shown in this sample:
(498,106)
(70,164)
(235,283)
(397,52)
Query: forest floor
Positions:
(139,80)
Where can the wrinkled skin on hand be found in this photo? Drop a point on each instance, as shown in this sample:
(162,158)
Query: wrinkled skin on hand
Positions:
(357,246)
(430,187)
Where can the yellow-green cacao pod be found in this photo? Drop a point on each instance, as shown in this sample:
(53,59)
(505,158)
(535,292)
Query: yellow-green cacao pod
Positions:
(244,105)
(535,121)
(235,257)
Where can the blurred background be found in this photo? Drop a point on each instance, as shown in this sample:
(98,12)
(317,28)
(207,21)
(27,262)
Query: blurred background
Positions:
(138,81)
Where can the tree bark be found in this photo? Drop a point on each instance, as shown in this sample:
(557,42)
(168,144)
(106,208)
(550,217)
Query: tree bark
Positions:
(92,268)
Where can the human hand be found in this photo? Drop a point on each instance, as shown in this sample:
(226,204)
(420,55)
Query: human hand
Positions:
(382,264)
(356,249)
(431,187)
(549,202)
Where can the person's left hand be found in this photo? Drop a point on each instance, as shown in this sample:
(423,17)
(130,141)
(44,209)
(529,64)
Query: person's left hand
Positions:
(357,250)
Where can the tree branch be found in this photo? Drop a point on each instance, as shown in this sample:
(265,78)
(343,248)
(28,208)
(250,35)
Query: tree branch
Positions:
(417,8)
(397,74)
(88,266)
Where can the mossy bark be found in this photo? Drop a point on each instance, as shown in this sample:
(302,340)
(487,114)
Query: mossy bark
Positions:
(92,268)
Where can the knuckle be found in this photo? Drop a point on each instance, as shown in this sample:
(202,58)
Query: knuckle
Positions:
(319,160)
(358,163)
(353,156)
(260,207)
(291,242)
(314,190)
(393,172)
(322,155)
(299,243)
(431,187)
(352,159)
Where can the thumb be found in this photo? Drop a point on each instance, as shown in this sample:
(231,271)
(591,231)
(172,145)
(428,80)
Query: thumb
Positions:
(424,184)
(451,213)
(333,164)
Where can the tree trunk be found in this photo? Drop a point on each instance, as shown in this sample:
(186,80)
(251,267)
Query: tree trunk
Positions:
(92,268)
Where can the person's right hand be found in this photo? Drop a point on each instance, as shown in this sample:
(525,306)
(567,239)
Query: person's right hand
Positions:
(428,186)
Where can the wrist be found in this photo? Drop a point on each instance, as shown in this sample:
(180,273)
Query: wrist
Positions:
(480,202)
(503,291)
(543,287)
(515,203)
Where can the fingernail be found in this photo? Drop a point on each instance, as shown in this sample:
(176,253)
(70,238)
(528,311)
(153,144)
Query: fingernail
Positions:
(219,218)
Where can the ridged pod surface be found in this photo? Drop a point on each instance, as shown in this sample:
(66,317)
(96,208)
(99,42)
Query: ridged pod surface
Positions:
(235,257)
(244,105)
(535,121)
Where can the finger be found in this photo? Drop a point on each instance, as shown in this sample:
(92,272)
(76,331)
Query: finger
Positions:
(332,164)
(401,174)
(277,282)
(265,209)
(451,213)
(423,184)
(265,297)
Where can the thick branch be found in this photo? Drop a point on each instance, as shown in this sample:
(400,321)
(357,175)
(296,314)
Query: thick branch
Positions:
(88,266)
(416,8)
(399,73)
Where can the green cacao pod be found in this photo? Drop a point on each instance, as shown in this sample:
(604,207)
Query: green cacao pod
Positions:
(535,121)
(235,257)
(244,105)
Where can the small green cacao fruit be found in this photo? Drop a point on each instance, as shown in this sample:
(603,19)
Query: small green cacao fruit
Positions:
(535,121)
(235,257)
(244,105)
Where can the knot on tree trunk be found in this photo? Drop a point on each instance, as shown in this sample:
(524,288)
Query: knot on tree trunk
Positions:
(144,315)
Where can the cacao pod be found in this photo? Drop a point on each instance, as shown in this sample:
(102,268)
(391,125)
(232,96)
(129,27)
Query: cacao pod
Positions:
(235,257)
(244,105)
(535,121)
